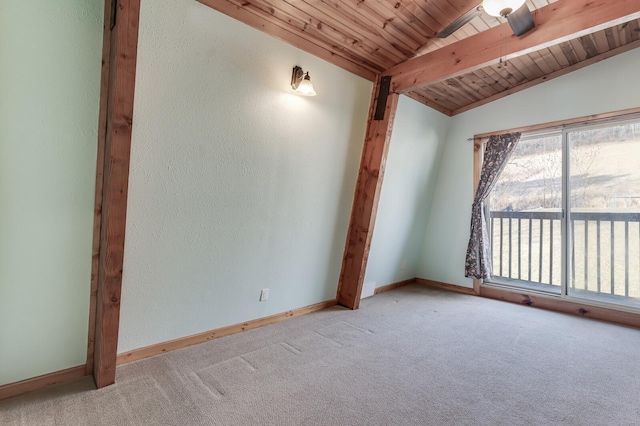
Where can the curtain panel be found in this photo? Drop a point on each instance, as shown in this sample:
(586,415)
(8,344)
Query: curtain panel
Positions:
(496,155)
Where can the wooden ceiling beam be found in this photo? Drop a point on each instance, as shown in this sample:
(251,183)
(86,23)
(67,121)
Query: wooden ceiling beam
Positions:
(555,23)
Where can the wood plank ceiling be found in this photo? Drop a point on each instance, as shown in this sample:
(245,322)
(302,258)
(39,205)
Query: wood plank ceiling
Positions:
(368,37)
(470,90)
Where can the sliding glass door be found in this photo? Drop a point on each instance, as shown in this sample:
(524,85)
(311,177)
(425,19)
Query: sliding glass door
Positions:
(565,214)
(525,211)
(604,213)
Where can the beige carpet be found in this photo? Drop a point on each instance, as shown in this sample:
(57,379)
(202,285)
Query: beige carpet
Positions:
(413,356)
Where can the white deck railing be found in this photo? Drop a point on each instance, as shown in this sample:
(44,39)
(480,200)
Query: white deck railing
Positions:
(605,249)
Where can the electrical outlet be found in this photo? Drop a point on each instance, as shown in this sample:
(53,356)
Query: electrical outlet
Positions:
(264,294)
(404,264)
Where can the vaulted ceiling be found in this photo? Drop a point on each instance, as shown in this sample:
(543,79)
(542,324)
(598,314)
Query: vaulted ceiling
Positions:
(386,37)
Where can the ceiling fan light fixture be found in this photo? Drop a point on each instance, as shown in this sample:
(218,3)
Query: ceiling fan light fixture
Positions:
(502,8)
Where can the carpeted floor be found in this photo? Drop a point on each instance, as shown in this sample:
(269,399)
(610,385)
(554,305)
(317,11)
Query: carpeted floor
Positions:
(412,356)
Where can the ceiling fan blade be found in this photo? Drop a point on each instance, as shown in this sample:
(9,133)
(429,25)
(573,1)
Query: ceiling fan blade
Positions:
(460,22)
(521,21)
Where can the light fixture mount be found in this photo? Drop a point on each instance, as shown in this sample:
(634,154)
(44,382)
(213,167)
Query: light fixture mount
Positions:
(296,77)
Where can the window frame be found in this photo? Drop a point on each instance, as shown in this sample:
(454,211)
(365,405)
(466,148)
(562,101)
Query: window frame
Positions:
(487,287)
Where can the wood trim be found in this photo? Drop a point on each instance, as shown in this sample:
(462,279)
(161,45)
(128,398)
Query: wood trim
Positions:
(587,119)
(41,382)
(445,286)
(393,286)
(548,77)
(366,198)
(555,23)
(296,39)
(548,303)
(478,154)
(119,113)
(564,306)
(183,342)
(97,209)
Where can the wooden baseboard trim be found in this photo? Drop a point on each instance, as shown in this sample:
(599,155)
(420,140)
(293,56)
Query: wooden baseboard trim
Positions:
(41,382)
(445,286)
(544,302)
(564,306)
(393,286)
(183,342)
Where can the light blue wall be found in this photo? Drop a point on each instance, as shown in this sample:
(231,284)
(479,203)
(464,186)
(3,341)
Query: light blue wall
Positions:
(236,183)
(50,56)
(610,85)
(418,135)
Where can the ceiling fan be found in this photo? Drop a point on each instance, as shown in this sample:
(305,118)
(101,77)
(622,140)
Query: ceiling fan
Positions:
(516,12)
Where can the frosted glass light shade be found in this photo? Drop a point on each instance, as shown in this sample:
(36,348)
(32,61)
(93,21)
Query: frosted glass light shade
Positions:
(501,7)
(306,88)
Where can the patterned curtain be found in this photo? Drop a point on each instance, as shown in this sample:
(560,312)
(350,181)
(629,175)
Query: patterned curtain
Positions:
(496,154)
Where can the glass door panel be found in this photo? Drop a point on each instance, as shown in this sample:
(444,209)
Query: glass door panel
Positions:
(604,214)
(525,216)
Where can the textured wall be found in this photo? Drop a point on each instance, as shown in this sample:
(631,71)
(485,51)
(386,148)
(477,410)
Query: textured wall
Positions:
(236,183)
(50,55)
(610,85)
(409,180)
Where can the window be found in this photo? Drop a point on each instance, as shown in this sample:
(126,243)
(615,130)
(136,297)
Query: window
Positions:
(564,216)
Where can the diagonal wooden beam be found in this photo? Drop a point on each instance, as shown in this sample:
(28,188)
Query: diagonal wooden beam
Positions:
(367,195)
(123,47)
(555,23)
(97,209)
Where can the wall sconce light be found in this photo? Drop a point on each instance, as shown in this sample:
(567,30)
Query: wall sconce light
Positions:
(301,82)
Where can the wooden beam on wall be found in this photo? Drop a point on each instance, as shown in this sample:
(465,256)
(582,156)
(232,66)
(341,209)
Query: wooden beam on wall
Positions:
(556,23)
(97,209)
(367,195)
(123,46)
